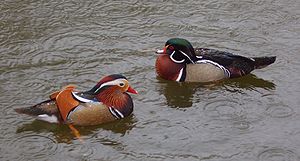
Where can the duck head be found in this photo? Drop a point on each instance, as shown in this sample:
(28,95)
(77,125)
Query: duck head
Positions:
(112,91)
(180,51)
(173,58)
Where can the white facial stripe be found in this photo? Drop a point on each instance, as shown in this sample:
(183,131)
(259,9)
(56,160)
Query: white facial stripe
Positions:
(180,75)
(187,56)
(114,82)
(171,56)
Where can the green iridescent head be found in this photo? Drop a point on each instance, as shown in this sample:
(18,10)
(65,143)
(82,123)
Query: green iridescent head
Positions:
(180,51)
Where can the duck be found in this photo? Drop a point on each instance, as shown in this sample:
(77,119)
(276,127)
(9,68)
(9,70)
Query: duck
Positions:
(107,101)
(180,61)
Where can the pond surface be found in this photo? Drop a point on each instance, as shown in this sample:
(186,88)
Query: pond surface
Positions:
(45,45)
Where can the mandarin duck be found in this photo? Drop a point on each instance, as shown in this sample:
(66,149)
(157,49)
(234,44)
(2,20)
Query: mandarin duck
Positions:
(107,101)
(179,61)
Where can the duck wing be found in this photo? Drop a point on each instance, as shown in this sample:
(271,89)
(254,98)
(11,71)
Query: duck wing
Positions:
(236,64)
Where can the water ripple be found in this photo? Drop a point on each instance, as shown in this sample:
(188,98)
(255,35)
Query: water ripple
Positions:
(35,85)
(33,146)
(279,110)
(276,108)
(241,125)
(119,10)
(277,154)
(223,108)
(81,151)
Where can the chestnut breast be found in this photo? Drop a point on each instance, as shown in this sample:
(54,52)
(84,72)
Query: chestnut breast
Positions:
(166,68)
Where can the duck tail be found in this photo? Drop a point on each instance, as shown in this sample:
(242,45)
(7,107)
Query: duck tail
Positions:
(261,62)
(29,111)
(20,110)
(36,109)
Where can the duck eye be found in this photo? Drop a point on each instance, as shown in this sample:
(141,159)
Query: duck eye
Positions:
(171,48)
(121,84)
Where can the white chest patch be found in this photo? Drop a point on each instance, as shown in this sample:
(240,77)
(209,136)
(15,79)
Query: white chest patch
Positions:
(179,75)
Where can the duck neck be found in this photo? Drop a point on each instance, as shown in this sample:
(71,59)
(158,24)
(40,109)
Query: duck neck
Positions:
(116,99)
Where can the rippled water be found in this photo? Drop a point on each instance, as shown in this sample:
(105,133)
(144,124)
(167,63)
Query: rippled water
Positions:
(45,45)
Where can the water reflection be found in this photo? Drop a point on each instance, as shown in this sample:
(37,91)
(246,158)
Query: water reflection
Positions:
(181,94)
(63,134)
(178,94)
(250,82)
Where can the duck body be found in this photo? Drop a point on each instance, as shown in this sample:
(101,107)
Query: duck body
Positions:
(105,102)
(179,61)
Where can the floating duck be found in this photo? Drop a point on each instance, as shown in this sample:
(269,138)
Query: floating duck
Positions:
(107,101)
(179,61)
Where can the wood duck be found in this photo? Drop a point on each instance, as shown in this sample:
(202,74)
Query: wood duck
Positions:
(105,102)
(179,61)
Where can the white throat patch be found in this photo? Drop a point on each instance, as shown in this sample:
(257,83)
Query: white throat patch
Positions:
(181,61)
(187,56)
(176,61)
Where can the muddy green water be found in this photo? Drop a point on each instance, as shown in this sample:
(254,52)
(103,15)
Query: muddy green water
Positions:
(45,45)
